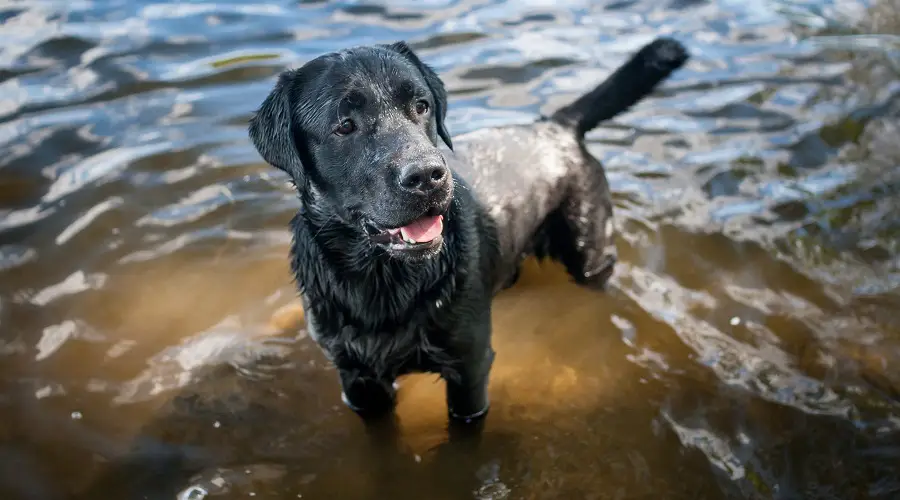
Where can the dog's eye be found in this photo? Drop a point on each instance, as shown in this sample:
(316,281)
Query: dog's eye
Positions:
(346,127)
(422,107)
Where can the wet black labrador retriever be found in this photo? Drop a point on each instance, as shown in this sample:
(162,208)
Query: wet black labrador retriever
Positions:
(400,246)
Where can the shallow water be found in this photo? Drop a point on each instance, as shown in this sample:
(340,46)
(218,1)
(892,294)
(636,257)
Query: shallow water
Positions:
(748,348)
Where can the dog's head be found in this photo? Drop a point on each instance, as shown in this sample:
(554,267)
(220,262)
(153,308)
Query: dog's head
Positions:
(358,133)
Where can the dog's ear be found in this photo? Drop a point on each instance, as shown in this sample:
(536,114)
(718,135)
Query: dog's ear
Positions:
(434,83)
(272,128)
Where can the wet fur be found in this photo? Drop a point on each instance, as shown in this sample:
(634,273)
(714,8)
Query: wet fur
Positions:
(517,191)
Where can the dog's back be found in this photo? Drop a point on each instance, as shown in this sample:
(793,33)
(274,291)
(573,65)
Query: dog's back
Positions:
(524,175)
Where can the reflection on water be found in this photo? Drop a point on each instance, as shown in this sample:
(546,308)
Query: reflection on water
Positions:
(152,347)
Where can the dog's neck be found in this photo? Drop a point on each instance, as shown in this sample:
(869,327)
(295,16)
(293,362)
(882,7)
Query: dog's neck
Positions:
(335,262)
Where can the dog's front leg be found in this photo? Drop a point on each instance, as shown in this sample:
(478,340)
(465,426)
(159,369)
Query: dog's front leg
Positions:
(467,386)
(370,397)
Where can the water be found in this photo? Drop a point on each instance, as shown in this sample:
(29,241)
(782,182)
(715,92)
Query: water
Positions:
(150,344)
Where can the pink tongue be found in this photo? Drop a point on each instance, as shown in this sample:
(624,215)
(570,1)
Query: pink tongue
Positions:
(424,229)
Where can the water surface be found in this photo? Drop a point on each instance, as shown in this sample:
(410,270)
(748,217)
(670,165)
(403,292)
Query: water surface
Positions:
(748,347)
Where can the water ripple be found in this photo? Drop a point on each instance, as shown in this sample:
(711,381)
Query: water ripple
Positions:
(143,245)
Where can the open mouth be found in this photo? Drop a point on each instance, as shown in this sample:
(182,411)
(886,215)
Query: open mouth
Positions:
(424,232)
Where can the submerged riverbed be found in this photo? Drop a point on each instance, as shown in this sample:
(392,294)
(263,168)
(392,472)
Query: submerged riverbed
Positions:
(748,347)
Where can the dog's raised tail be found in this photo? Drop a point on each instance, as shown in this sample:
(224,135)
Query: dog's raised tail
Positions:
(630,83)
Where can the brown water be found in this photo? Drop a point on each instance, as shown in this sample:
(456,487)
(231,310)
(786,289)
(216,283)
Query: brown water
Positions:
(149,342)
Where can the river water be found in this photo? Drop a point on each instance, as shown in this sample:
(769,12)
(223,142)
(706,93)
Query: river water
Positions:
(150,345)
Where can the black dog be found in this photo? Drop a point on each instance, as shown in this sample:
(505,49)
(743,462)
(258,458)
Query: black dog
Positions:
(399,247)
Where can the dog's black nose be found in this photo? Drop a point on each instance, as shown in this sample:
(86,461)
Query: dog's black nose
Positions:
(423,178)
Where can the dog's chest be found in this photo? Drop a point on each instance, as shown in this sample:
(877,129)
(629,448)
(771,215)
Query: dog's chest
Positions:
(386,353)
